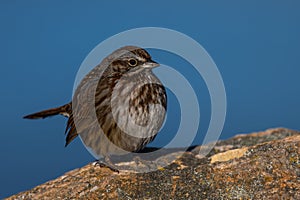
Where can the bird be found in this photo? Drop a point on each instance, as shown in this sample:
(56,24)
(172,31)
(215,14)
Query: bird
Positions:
(117,108)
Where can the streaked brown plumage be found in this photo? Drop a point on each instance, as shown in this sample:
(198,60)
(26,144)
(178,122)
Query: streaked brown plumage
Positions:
(118,107)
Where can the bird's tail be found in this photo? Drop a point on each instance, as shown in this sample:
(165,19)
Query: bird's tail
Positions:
(62,110)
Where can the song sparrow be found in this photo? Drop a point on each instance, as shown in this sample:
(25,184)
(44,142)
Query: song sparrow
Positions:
(118,107)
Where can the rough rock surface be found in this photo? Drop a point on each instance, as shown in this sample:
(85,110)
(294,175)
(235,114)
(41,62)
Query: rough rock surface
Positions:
(263,165)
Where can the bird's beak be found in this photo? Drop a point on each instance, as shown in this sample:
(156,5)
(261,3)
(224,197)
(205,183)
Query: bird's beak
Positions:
(151,64)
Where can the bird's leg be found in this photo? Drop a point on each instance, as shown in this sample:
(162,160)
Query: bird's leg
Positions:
(107,163)
(138,160)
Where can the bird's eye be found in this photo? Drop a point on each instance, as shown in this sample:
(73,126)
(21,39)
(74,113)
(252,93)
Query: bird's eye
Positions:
(132,62)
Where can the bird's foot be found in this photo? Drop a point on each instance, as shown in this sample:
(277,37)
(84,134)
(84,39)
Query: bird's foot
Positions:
(109,165)
(150,165)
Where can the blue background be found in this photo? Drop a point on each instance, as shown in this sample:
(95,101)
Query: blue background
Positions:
(255,45)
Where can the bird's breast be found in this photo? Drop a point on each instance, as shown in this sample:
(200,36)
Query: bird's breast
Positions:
(139,107)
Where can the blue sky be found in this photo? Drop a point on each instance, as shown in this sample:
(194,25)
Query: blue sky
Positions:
(255,45)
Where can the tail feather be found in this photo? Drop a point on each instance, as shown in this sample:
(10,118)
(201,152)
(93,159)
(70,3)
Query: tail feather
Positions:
(70,130)
(63,110)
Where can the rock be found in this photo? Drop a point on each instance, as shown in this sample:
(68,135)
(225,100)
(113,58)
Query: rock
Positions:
(264,165)
(229,155)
